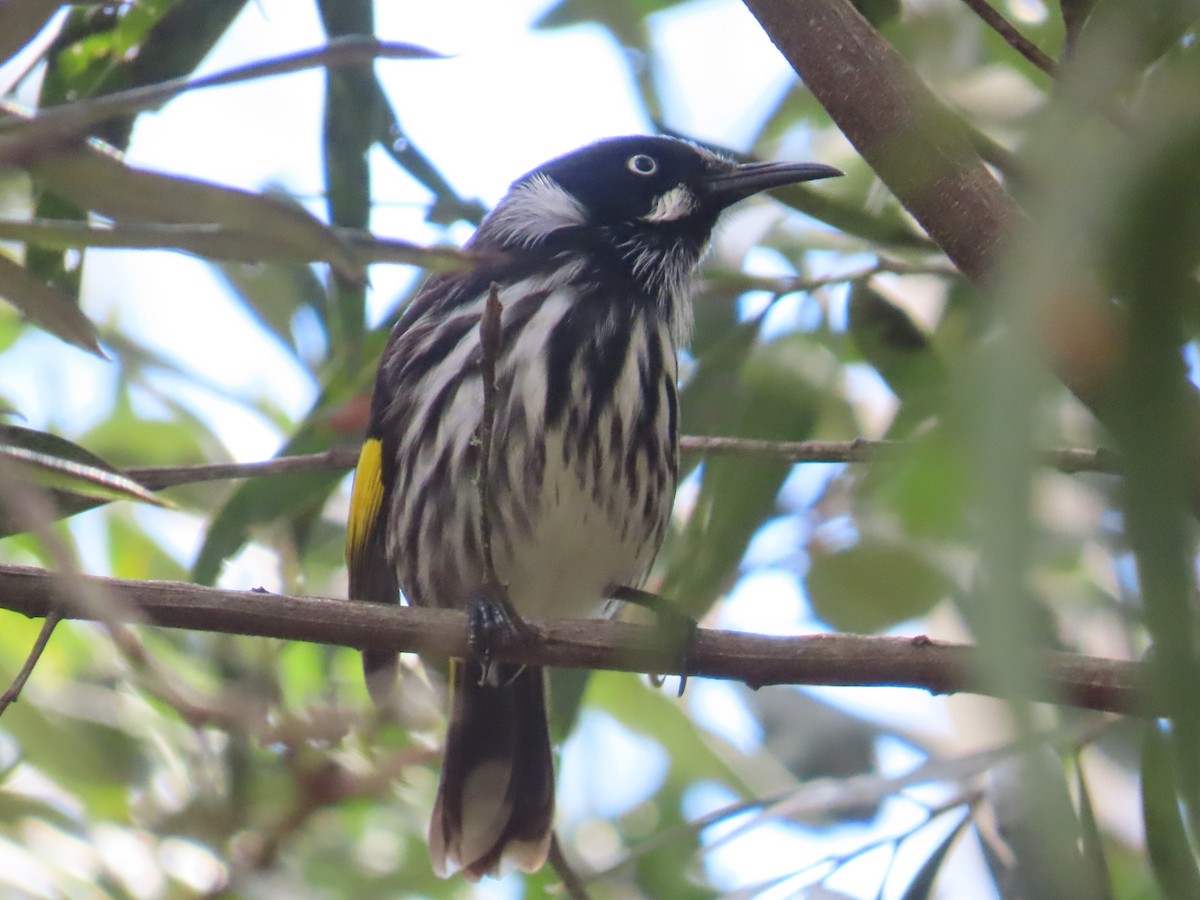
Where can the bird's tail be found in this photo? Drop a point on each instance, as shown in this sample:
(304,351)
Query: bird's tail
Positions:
(495,802)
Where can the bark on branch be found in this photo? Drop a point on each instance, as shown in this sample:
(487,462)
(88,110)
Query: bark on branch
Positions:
(757,660)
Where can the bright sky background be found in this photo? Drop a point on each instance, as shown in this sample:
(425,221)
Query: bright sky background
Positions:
(508,100)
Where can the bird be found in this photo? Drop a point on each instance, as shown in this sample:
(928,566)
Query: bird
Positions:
(591,257)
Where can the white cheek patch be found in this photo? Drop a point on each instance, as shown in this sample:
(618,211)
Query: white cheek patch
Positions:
(535,209)
(672,206)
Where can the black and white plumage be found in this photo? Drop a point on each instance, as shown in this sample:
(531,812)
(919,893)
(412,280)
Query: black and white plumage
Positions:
(594,254)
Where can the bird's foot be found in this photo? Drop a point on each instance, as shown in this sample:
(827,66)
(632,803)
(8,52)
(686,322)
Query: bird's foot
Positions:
(492,624)
(676,625)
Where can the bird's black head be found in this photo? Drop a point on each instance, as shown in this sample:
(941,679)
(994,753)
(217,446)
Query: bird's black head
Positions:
(634,192)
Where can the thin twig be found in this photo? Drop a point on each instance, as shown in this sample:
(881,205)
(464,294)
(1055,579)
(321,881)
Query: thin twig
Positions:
(757,660)
(489,351)
(11,695)
(75,118)
(156,478)
(1012,36)
(798,285)
(1068,460)
(571,881)
(489,346)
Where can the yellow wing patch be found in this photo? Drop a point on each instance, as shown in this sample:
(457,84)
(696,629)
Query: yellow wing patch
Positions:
(365,501)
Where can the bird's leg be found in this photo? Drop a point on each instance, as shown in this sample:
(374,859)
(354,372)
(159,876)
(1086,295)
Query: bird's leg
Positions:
(492,624)
(671,620)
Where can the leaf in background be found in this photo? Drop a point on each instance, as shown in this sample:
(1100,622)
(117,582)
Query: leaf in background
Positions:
(96,178)
(109,48)
(901,353)
(921,887)
(274,293)
(133,553)
(353,109)
(139,363)
(177,438)
(82,744)
(1091,840)
(76,475)
(1171,855)
(79,60)
(1074,14)
(878,12)
(61,268)
(21,22)
(626,20)
(161,41)
(927,482)
(299,497)
(813,740)
(47,307)
(293,497)
(874,585)
(448,205)
(660,867)
(721,345)
(80,55)
(774,395)
(847,215)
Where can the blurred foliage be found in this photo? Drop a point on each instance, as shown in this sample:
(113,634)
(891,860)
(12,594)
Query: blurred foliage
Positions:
(192,764)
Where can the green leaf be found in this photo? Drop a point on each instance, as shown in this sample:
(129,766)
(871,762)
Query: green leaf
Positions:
(162,43)
(657,714)
(874,585)
(1094,857)
(56,464)
(96,178)
(47,307)
(927,482)
(1171,855)
(130,440)
(353,109)
(259,501)
(133,45)
(878,12)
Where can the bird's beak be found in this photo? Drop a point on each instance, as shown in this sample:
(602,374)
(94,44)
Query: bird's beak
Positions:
(732,185)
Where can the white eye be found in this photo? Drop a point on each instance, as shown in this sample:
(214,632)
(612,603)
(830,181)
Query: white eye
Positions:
(641,164)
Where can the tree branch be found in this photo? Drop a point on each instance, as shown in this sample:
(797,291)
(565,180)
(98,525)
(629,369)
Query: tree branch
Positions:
(921,151)
(757,660)
(217,241)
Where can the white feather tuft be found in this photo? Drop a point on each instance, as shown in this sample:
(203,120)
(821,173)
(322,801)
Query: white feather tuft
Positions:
(533,210)
(672,206)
